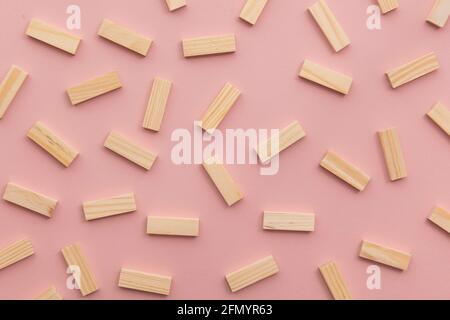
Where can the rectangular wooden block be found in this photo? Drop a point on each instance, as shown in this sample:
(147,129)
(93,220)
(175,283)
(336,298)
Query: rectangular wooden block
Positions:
(49,294)
(345,171)
(413,70)
(109,207)
(157,104)
(440,114)
(10,87)
(75,259)
(439,13)
(188,227)
(252,10)
(441,218)
(127,149)
(334,281)
(142,281)
(15,252)
(175,4)
(326,77)
(124,37)
(202,46)
(252,273)
(387,5)
(29,199)
(391,257)
(53,36)
(53,144)
(330,27)
(393,154)
(288,221)
(94,88)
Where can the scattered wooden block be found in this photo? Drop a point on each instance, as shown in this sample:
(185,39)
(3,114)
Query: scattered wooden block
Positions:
(413,70)
(49,294)
(334,281)
(94,88)
(441,218)
(439,13)
(136,154)
(53,144)
(53,36)
(330,27)
(202,46)
(74,258)
(387,5)
(345,171)
(175,4)
(252,10)
(109,207)
(326,77)
(15,252)
(29,199)
(188,227)
(440,114)
(157,104)
(393,154)
(252,273)
(142,281)
(390,257)
(288,221)
(10,87)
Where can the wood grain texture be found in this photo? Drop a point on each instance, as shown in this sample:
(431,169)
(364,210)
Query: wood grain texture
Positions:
(175,4)
(127,149)
(53,36)
(49,294)
(393,154)
(208,45)
(109,207)
(439,14)
(441,218)
(252,273)
(94,88)
(10,86)
(413,70)
(388,256)
(15,252)
(188,227)
(157,104)
(29,199)
(252,10)
(440,115)
(335,281)
(388,5)
(326,77)
(288,221)
(142,281)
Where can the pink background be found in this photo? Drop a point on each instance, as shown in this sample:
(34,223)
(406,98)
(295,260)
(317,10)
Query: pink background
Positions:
(265,68)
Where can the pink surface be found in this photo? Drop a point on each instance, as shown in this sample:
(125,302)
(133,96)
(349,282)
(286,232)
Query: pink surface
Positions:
(265,68)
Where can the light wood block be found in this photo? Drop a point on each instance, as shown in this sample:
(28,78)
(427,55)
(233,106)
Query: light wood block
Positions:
(441,218)
(109,207)
(223,181)
(388,256)
(10,86)
(124,37)
(29,199)
(75,257)
(345,171)
(219,108)
(334,281)
(49,294)
(202,46)
(252,273)
(326,77)
(53,36)
(413,70)
(387,5)
(440,114)
(142,281)
(157,104)
(15,252)
(439,13)
(252,10)
(188,227)
(330,27)
(53,144)
(274,145)
(175,4)
(94,88)
(393,154)
(288,221)
(127,149)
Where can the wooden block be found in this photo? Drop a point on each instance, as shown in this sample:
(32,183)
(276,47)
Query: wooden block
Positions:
(274,145)
(142,281)
(413,70)
(136,154)
(10,87)
(441,218)
(393,154)
(74,257)
(252,273)
(326,77)
(53,36)
(175,4)
(109,207)
(15,252)
(173,226)
(439,13)
(157,104)
(330,27)
(29,199)
(94,88)
(223,181)
(53,144)
(387,5)
(202,46)
(334,281)
(391,257)
(124,37)
(252,10)
(49,294)
(345,171)
(288,221)
(219,108)
(440,114)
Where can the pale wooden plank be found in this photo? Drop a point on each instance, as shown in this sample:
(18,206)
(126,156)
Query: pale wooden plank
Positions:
(157,104)
(15,252)
(142,281)
(288,221)
(441,218)
(252,10)
(201,46)
(10,86)
(385,255)
(440,114)
(387,5)
(49,294)
(109,207)
(173,226)
(326,77)
(175,4)
(393,154)
(335,281)
(439,14)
